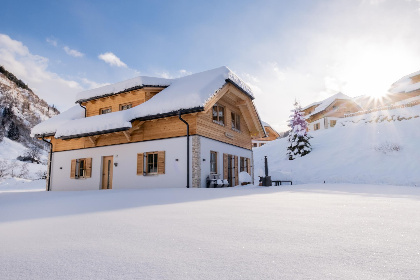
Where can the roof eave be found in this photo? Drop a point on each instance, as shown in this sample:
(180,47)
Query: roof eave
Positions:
(94,133)
(239,88)
(170,114)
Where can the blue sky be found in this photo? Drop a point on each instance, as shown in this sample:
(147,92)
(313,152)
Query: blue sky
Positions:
(306,50)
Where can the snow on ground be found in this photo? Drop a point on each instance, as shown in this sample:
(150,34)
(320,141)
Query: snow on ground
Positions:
(21,185)
(314,231)
(362,151)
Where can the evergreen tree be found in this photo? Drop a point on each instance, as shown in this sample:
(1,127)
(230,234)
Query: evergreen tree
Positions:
(298,137)
(13,132)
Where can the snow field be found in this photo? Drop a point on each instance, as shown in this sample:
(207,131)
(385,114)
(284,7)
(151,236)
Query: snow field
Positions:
(310,231)
(355,153)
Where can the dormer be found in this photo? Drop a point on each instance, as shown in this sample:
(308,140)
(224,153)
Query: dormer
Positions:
(121,96)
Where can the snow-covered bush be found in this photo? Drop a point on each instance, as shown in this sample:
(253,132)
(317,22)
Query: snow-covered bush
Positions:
(298,137)
(244,178)
(387,147)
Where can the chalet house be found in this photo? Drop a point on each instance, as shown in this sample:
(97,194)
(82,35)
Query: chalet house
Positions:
(324,114)
(154,132)
(271,134)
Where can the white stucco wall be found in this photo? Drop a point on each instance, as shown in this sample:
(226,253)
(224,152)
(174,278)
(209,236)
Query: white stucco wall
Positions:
(208,145)
(125,174)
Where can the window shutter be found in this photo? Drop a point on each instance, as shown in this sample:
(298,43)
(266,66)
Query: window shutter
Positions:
(73,169)
(248,167)
(225,166)
(161,162)
(236,171)
(88,168)
(140,164)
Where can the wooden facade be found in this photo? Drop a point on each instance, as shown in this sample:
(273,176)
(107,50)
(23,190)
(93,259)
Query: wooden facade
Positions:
(200,123)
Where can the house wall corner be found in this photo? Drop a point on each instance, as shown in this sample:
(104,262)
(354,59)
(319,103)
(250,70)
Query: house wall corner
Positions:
(196,161)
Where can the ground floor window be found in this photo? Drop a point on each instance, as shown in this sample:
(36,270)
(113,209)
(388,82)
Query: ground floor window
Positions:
(213,162)
(333,123)
(244,164)
(81,168)
(316,126)
(151,163)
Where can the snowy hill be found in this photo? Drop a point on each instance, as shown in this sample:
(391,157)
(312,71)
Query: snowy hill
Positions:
(380,148)
(20,110)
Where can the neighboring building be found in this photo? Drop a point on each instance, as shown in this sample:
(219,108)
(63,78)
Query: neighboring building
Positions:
(271,134)
(408,87)
(133,134)
(324,114)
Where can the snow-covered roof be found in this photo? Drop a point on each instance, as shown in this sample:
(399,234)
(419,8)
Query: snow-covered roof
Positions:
(405,84)
(49,127)
(322,105)
(127,85)
(189,93)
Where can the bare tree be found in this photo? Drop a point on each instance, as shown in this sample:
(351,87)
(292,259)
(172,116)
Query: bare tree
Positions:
(4,168)
(24,171)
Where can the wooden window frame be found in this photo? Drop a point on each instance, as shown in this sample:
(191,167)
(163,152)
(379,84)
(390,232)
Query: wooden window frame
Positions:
(219,119)
(154,163)
(126,104)
(105,108)
(317,126)
(211,162)
(235,121)
(333,123)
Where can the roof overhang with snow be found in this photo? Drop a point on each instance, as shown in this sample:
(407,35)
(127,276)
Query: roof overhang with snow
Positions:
(189,94)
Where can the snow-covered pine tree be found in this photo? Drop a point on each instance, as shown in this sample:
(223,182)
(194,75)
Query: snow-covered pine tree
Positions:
(298,137)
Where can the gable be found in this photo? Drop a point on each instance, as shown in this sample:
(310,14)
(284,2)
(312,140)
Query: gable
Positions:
(241,103)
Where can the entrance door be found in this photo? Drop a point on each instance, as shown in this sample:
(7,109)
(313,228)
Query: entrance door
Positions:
(107,172)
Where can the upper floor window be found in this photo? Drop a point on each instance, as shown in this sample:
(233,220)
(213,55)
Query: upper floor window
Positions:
(219,114)
(125,106)
(236,121)
(106,110)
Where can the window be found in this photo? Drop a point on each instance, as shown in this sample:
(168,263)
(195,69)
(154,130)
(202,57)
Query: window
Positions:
(106,110)
(255,144)
(125,106)
(213,162)
(244,165)
(333,123)
(81,168)
(236,121)
(219,114)
(152,163)
(316,126)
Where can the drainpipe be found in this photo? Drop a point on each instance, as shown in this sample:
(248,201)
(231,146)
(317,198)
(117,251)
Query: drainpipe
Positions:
(188,149)
(80,104)
(49,163)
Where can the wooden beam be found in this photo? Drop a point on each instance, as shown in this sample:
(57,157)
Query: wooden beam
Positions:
(135,127)
(93,139)
(216,98)
(127,135)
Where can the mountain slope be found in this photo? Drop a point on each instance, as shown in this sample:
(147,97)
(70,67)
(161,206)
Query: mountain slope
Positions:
(20,109)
